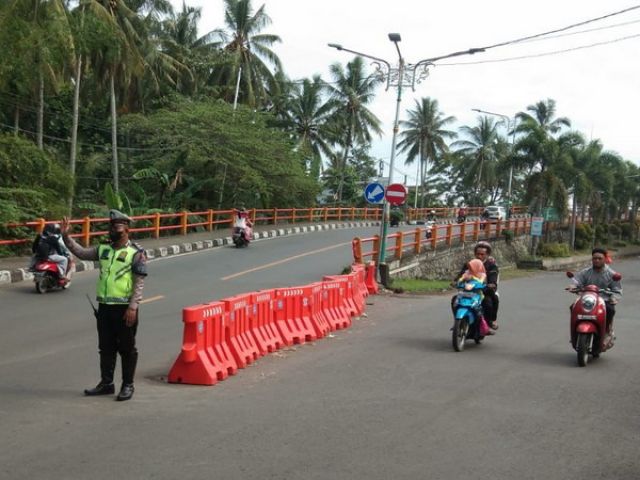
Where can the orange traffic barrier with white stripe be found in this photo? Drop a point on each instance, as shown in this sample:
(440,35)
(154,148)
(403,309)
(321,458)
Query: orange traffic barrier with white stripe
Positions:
(291,316)
(204,358)
(222,336)
(263,325)
(238,332)
(317,315)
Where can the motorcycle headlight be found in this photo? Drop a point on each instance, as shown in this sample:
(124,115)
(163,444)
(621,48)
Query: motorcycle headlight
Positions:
(588,302)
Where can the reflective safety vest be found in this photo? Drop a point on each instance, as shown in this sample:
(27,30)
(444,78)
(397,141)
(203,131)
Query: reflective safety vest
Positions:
(115,285)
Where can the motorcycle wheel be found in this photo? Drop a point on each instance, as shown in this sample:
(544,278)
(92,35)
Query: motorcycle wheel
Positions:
(43,284)
(582,347)
(459,334)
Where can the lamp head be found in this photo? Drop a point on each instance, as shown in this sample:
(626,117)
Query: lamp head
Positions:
(337,46)
(394,37)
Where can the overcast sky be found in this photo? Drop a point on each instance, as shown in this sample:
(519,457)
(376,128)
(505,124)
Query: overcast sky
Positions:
(597,88)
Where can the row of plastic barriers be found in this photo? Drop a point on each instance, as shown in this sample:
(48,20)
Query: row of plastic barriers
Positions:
(223,336)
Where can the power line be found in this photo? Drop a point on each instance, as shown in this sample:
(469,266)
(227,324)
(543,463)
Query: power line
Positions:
(96,145)
(563,29)
(589,30)
(544,54)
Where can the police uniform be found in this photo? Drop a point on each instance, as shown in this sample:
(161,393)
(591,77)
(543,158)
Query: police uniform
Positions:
(122,272)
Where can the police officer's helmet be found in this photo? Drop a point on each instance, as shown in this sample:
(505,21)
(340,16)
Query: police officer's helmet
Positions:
(483,244)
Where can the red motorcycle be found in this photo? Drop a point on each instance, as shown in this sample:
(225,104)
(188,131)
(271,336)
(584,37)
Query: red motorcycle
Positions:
(589,321)
(47,277)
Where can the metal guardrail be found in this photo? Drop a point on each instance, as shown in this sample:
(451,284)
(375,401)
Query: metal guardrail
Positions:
(422,238)
(181,223)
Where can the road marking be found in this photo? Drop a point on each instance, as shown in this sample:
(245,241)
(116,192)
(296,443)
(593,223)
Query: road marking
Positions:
(152,299)
(284,260)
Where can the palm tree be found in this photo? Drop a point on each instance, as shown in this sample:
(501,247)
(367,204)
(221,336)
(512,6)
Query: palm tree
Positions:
(126,56)
(179,39)
(307,118)
(481,154)
(43,46)
(424,135)
(351,91)
(248,54)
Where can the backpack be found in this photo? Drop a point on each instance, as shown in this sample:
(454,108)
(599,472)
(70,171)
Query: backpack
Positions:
(43,248)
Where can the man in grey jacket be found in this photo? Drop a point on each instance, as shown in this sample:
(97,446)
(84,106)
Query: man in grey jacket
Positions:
(601,275)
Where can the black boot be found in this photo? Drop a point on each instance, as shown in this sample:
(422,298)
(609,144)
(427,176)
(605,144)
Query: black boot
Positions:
(107,366)
(126,392)
(100,389)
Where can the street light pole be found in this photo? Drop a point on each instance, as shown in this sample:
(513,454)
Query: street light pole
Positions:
(513,141)
(405,75)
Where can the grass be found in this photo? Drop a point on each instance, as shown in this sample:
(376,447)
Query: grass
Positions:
(420,286)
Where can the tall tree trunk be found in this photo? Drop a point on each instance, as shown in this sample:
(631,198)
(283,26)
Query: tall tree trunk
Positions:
(74,128)
(40,126)
(114,133)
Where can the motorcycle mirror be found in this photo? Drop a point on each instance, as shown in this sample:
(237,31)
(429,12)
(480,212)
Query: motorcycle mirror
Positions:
(616,277)
(569,274)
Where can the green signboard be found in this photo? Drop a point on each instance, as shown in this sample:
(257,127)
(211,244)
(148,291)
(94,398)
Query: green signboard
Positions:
(550,214)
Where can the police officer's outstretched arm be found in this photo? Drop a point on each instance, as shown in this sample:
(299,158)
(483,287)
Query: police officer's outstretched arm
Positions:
(82,253)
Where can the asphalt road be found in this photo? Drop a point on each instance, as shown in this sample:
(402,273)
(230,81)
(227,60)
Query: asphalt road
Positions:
(387,398)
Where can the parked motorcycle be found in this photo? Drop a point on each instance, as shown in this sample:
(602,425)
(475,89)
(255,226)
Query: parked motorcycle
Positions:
(589,321)
(47,277)
(241,236)
(467,323)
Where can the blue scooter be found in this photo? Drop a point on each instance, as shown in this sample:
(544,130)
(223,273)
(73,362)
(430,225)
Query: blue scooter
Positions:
(466,323)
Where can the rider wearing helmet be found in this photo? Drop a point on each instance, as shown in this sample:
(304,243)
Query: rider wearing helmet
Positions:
(49,245)
(491,301)
(431,217)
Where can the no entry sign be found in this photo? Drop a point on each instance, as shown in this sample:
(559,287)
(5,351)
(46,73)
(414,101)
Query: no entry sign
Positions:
(396,194)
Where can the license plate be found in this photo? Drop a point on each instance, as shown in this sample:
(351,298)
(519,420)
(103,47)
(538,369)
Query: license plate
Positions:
(586,317)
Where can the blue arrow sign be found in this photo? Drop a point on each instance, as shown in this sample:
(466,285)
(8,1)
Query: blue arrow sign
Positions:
(374,193)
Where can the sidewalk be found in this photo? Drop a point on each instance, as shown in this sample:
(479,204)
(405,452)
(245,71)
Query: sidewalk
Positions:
(14,269)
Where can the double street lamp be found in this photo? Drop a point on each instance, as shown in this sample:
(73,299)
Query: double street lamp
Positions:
(511,127)
(404,75)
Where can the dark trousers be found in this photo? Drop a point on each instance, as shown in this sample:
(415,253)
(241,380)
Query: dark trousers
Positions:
(611,312)
(115,337)
(490,305)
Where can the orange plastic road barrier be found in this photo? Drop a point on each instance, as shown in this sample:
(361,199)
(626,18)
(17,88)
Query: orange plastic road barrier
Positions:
(317,315)
(356,293)
(291,316)
(347,293)
(361,274)
(370,279)
(238,333)
(204,358)
(333,304)
(263,325)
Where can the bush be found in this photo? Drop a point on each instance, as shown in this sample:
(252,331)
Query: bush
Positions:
(554,250)
(584,234)
(508,235)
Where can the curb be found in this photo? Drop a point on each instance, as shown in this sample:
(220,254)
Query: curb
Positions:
(23,274)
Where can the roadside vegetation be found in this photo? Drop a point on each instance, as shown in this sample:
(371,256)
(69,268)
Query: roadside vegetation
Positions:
(130,98)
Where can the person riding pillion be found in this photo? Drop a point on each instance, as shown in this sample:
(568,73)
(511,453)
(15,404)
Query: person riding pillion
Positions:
(119,289)
(49,245)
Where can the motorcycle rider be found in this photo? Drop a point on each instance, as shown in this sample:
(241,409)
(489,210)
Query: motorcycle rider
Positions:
(601,275)
(49,245)
(242,220)
(462,214)
(491,301)
(432,217)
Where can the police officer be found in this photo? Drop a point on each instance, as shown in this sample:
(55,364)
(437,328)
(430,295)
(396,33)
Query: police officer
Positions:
(119,291)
